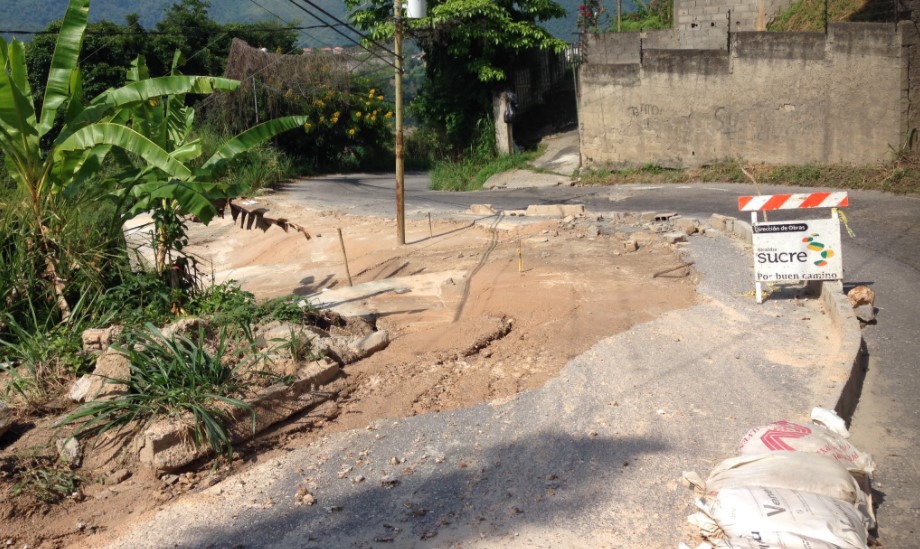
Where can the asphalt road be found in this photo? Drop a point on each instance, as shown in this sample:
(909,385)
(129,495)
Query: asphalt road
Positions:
(884,255)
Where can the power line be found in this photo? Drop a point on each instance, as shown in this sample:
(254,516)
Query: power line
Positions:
(165,33)
(346,36)
(283,20)
(354,30)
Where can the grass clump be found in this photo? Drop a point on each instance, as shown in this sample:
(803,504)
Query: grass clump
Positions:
(44,478)
(808,15)
(471,172)
(173,377)
(900,175)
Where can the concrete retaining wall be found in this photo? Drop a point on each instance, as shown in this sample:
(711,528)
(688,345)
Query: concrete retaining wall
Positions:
(778,98)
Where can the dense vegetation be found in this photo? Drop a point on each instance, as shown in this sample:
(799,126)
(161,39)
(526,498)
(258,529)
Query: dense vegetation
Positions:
(76,168)
(809,15)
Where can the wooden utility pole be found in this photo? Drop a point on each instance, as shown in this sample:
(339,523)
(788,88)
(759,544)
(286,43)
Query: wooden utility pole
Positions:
(400,163)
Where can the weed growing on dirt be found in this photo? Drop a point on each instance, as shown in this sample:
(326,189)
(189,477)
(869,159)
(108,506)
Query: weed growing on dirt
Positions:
(470,174)
(299,347)
(42,358)
(45,478)
(176,377)
(473,170)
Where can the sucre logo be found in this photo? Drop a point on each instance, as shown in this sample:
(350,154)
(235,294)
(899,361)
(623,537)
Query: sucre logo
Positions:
(813,245)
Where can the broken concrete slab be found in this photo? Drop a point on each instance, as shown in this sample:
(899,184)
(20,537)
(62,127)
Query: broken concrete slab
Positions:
(674,238)
(524,179)
(687,225)
(555,210)
(369,345)
(722,223)
(630,246)
(482,209)
(166,445)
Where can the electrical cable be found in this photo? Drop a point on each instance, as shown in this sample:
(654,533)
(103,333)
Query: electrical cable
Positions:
(346,36)
(354,30)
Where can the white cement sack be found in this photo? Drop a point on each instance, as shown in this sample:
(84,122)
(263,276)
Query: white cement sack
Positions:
(800,471)
(795,437)
(766,540)
(777,516)
(774,541)
(830,420)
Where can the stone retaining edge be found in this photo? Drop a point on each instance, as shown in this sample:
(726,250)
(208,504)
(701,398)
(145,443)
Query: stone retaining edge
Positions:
(167,445)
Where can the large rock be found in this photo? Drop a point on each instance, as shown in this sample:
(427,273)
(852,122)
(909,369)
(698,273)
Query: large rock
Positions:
(186,327)
(277,333)
(6,418)
(861,295)
(99,339)
(352,349)
(368,345)
(866,313)
(70,451)
(111,365)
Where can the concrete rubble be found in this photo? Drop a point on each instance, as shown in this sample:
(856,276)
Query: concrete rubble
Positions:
(110,365)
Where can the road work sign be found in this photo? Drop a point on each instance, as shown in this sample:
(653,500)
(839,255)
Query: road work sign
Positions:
(797,250)
(791,251)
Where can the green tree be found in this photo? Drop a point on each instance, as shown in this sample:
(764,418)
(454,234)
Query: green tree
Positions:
(205,43)
(470,46)
(109,48)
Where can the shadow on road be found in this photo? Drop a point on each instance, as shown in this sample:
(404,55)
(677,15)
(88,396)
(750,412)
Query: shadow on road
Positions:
(543,479)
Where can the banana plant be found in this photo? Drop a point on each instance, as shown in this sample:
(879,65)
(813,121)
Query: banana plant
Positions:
(169,124)
(83,134)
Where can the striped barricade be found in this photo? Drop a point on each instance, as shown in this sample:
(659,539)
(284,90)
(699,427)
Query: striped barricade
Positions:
(789,251)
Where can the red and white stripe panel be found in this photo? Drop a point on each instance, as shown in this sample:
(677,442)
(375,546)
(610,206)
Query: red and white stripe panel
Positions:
(792,201)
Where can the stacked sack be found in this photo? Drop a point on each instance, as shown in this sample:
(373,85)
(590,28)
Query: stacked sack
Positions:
(792,486)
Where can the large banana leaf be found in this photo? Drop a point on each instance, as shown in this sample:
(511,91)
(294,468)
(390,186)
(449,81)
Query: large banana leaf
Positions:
(127,139)
(249,139)
(63,62)
(75,104)
(192,197)
(138,93)
(18,134)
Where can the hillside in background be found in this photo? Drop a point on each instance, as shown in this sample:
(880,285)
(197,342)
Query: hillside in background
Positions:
(34,15)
